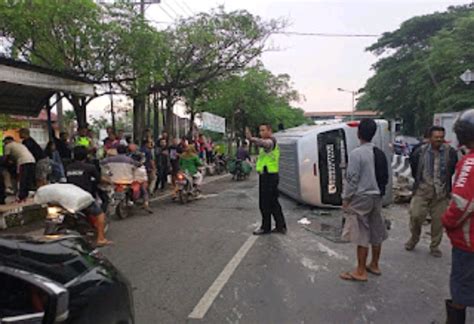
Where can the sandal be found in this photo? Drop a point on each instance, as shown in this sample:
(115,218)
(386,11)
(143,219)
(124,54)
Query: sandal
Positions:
(350,277)
(376,273)
(104,243)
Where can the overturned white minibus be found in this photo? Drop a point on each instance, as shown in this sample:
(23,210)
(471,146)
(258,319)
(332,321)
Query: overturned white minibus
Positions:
(314,158)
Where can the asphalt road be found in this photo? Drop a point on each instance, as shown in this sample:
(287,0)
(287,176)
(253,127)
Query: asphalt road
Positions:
(182,256)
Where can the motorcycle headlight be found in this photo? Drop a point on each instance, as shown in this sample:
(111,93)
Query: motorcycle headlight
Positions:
(180,176)
(53,212)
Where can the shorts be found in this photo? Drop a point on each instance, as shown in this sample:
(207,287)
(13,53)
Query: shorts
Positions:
(93,210)
(462,277)
(43,169)
(365,224)
(174,167)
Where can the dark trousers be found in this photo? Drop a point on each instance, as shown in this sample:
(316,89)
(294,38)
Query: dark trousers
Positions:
(268,202)
(162,178)
(27,179)
(2,188)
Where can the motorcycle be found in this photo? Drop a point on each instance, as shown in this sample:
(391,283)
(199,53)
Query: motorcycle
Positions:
(186,187)
(60,221)
(240,170)
(221,164)
(122,200)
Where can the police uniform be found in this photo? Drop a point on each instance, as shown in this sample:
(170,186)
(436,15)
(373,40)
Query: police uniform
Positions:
(268,168)
(83,141)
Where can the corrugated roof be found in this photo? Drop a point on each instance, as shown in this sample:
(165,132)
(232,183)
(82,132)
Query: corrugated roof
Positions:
(25,89)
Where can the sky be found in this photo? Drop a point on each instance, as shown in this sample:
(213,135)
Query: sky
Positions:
(317,66)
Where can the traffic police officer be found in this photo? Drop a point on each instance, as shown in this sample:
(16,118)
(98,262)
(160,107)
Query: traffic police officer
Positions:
(268,168)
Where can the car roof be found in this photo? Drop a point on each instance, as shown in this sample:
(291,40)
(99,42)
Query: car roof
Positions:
(60,258)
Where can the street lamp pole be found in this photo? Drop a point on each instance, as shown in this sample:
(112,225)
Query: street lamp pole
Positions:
(353,93)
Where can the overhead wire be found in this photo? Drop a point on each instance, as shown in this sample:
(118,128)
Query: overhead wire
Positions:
(171,8)
(189,8)
(295,33)
(180,7)
(167,13)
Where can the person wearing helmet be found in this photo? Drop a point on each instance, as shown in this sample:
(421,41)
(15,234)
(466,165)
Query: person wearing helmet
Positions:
(458,221)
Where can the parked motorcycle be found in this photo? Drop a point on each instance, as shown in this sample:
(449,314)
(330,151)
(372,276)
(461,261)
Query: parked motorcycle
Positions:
(60,221)
(186,187)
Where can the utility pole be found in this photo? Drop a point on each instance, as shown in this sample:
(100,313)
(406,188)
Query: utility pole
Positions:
(354,93)
(142,8)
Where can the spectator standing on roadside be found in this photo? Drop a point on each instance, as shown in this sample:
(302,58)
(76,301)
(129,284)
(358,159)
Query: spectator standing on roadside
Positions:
(175,149)
(365,183)
(63,147)
(57,167)
(43,167)
(459,223)
(25,163)
(162,163)
(121,137)
(83,139)
(148,149)
(433,165)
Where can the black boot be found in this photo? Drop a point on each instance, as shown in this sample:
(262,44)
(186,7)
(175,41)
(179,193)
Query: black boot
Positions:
(454,315)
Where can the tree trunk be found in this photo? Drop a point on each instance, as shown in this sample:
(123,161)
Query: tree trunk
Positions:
(148,108)
(191,124)
(59,110)
(112,112)
(156,117)
(79,105)
(170,127)
(163,113)
(138,117)
(232,135)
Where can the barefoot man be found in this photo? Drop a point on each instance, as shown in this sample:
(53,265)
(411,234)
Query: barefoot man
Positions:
(366,178)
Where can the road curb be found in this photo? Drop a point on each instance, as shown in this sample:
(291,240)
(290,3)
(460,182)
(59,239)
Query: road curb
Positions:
(19,216)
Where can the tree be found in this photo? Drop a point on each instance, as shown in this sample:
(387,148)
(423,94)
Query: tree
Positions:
(249,98)
(419,71)
(103,44)
(7,122)
(208,46)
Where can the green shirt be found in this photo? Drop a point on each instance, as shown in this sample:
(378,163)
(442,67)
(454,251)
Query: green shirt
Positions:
(189,164)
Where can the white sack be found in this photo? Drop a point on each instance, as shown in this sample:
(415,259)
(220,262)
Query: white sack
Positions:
(66,195)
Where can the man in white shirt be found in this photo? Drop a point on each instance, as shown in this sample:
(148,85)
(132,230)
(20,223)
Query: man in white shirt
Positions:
(25,162)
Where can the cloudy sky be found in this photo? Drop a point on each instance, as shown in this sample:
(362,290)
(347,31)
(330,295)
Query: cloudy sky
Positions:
(317,65)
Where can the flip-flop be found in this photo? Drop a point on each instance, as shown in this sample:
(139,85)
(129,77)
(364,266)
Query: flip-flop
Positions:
(350,277)
(106,243)
(369,270)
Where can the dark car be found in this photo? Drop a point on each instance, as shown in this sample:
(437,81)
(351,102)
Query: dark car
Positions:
(60,280)
(403,145)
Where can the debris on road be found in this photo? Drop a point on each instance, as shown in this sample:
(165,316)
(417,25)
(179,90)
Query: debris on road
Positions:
(304,221)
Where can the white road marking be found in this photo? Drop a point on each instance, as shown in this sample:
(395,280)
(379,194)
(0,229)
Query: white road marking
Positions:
(206,301)
(325,249)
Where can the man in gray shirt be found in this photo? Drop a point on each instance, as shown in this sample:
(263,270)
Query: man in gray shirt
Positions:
(362,202)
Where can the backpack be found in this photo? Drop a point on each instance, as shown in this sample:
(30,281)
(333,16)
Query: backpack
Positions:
(381,169)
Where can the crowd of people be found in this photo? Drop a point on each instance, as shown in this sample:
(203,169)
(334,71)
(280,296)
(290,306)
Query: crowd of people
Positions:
(443,190)
(26,166)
